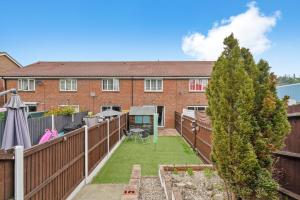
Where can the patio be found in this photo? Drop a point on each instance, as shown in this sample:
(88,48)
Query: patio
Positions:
(169,150)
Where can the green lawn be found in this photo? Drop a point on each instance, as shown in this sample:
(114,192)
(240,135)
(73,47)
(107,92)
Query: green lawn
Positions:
(170,150)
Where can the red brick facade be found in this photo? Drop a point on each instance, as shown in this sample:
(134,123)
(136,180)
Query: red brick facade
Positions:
(175,95)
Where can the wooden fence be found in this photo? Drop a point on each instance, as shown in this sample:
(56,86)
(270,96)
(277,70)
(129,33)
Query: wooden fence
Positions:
(54,169)
(6,175)
(196,133)
(288,163)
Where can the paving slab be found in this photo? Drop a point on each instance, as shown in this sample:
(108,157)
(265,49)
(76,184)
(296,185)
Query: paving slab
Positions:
(100,192)
(168,132)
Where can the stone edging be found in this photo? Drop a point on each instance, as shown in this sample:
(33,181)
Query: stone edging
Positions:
(172,193)
(131,191)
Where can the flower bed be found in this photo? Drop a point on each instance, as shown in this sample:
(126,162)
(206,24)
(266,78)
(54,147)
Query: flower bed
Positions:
(191,182)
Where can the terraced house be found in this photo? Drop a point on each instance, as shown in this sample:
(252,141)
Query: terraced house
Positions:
(96,86)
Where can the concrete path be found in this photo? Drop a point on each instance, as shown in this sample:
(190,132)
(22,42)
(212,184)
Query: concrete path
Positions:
(100,192)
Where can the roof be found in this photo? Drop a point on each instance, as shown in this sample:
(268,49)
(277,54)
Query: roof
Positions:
(115,69)
(11,58)
(108,113)
(291,90)
(142,110)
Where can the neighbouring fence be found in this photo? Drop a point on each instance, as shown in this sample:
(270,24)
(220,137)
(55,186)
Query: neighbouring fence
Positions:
(53,170)
(196,133)
(38,125)
(6,175)
(287,164)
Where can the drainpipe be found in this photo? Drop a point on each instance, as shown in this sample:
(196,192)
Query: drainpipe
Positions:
(131,91)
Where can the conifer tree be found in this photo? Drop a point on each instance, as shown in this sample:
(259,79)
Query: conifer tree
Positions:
(249,122)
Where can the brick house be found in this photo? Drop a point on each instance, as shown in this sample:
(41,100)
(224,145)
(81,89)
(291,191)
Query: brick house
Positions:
(7,63)
(95,86)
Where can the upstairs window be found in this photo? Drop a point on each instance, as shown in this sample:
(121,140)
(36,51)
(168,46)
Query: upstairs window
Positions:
(198,85)
(153,85)
(110,84)
(197,108)
(68,85)
(26,85)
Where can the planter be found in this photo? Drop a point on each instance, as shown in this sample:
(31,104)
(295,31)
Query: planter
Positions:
(188,182)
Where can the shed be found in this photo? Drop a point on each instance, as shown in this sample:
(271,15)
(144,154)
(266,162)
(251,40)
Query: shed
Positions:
(142,117)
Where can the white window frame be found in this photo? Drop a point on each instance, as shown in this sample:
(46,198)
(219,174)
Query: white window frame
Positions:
(198,79)
(110,107)
(196,106)
(20,84)
(73,86)
(75,106)
(27,104)
(114,81)
(151,89)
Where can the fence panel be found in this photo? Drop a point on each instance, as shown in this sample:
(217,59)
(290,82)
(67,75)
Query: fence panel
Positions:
(199,140)
(37,127)
(52,170)
(6,175)
(79,116)
(288,163)
(97,144)
(178,121)
(61,121)
(203,142)
(113,132)
(187,130)
(123,123)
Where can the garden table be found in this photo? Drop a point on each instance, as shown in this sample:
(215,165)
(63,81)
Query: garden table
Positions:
(136,132)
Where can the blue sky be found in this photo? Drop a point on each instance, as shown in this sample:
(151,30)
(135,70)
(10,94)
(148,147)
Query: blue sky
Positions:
(137,29)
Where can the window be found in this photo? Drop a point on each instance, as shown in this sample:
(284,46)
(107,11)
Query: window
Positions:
(26,85)
(110,84)
(76,107)
(198,85)
(109,107)
(68,85)
(197,108)
(142,119)
(30,106)
(138,119)
(153,85)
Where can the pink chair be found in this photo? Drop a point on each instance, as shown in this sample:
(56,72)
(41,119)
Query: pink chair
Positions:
(49,135)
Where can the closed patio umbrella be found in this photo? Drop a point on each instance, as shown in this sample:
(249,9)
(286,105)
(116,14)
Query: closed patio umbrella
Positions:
(16,130)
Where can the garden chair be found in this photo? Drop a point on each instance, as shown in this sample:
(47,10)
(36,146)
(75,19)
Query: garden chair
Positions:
(128,134)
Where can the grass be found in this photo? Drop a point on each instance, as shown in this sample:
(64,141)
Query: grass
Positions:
(169,150)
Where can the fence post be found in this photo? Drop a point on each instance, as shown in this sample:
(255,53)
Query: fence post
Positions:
(52,122)
(19,172)
(107,120)
(86,153)
(73,117)
(119,127)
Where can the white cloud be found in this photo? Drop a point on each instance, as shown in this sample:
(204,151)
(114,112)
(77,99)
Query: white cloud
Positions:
(250,28)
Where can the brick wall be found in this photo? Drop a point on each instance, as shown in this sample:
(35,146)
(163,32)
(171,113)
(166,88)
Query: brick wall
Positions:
(175,96)
(5,65)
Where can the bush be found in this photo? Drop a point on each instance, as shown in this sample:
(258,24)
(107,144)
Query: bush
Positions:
(249,122)
(65,110)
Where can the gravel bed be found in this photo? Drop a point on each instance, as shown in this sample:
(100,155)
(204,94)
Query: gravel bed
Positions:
(151,189)
(199,186)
